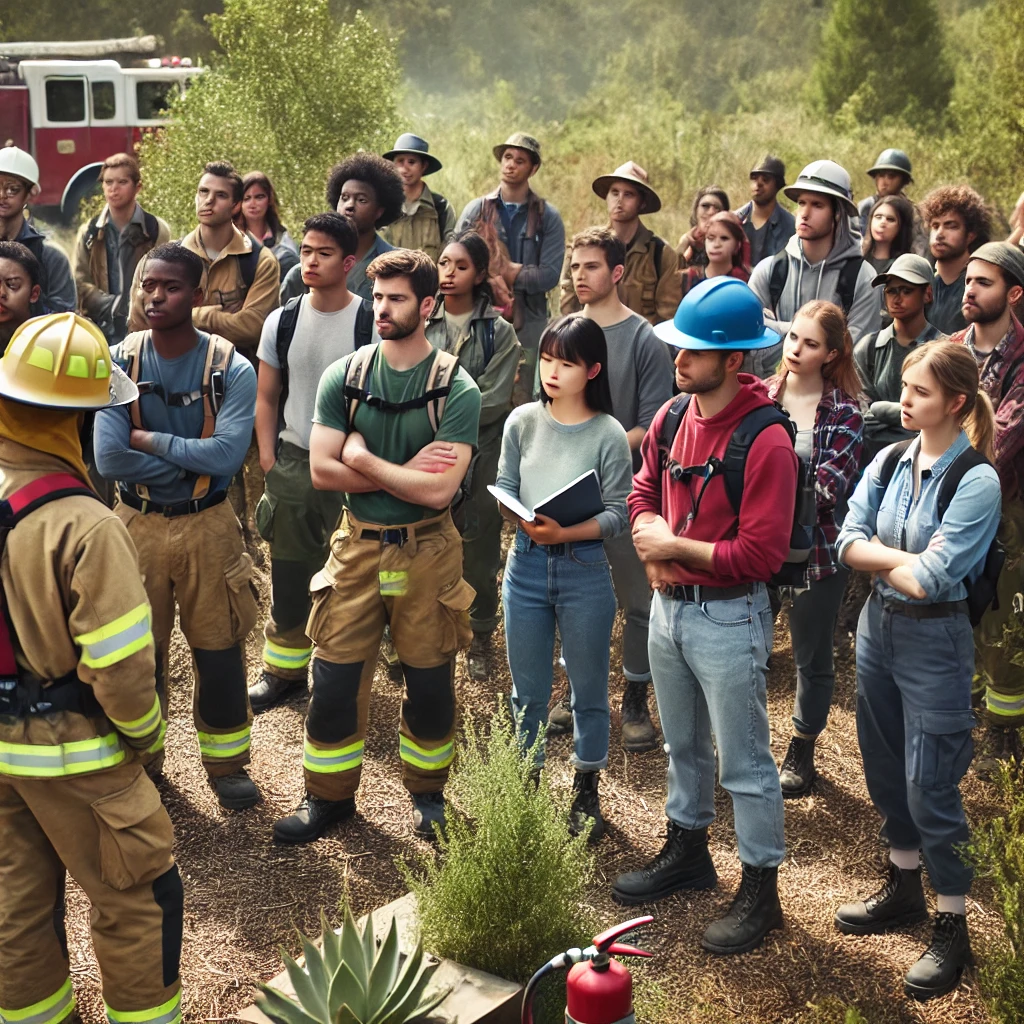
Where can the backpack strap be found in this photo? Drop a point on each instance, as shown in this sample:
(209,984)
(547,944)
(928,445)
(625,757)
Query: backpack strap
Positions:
(39,492)
(891,460)
(847,286)
(357,374)
(441,209)
(151,226)
(91,233)
(131,356)
(659,251)
(247,262)
(488,340)
(218,356)
(734,463)
(439,386)
(956,471)
(777,277)
(285,332)
(669,428)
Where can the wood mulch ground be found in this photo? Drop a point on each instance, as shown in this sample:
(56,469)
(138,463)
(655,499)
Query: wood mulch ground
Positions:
(245,896)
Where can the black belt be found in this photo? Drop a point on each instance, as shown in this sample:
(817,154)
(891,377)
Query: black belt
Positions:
(398,534)
(562,549)
(696,594)
(940,610)
(180,508)
(20,698)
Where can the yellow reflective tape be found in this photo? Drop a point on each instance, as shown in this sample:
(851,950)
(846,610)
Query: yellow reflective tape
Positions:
(139,727)
(393,583)
(330,760)
(225,744)
(31,760)
(285,657)
(158,744)
(51,1010)
(420,757)
(167,1013)
(117,640)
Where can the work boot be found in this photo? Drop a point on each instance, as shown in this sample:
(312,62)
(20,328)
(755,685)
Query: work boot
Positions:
(270,690)
(427,810)
(797,774)
(638,732)
(754,913)
(312,818)
(387,647)
(478,660)
(899,902)
(560,718)
(941,966)
(684,863)
(997,744)
(585,804)
(236,791)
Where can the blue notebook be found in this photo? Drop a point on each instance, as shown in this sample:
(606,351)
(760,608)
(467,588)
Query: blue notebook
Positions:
(576,502)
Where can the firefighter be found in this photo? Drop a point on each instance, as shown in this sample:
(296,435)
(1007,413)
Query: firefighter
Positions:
(173,454)
(79,713)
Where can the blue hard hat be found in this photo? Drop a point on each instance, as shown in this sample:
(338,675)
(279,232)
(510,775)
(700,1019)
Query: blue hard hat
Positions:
(721,313)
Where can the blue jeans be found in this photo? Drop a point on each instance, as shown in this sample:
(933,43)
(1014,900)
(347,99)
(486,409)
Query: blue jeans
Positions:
(569,584)
(914,722)
(709,661)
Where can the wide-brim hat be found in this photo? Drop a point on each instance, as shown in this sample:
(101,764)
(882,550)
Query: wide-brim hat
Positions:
(519,140)
(719,314)
(826,178)
(909,267)
(635,175)
(414,145)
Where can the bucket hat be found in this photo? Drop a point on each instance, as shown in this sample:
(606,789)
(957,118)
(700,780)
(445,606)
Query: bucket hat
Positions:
(520,140)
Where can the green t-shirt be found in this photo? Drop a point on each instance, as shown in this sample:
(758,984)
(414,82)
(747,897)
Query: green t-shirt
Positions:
(396,436)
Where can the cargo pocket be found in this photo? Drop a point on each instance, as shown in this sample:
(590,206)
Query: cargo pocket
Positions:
(135,835)
(320,589)
(264,516)
(942,750)
(455,603)
(244,610)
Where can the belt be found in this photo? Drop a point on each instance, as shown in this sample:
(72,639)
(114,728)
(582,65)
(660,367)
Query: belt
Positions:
(940,610)
(20,698)
(561,549)
(696,594)
(398,534)
(181,508)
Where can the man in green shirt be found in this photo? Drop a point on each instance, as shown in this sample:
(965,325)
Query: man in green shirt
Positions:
(393,430)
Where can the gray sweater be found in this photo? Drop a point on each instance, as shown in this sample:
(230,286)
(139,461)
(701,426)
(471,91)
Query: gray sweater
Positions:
(539,455)
(639,371)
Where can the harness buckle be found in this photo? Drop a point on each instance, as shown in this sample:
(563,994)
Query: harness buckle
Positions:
(397,536)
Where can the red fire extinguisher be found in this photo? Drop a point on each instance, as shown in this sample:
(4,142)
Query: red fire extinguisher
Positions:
(598,989)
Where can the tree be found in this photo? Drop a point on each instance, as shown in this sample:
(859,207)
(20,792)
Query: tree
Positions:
(290,93)
(879,60)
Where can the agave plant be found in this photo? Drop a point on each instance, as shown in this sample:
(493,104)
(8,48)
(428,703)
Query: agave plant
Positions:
(354,981)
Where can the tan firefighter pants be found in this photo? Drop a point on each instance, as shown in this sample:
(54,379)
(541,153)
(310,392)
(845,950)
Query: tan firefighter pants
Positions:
(368,582)
(112,834)
(199,562)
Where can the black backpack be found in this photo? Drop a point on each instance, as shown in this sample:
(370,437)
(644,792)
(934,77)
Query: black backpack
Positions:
(845,289)
(732,468)
(439,208)
(983,591)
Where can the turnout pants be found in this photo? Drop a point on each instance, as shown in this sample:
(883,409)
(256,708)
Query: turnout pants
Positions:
(109,830)
(408,577)
(199,562)
(481,538)
(296,520)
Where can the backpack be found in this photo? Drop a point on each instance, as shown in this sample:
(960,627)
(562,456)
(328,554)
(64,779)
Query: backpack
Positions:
(286,331)
(732,468)
(246,263)
(487,339)
(66,693)
(152,229)
(659,251)
(218,356)
(845,289)
(439,208)
(983,591)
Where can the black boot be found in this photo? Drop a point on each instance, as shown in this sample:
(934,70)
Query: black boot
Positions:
(684,863)
(638,732)
(269,690)
(312,818)
(943,962)
(478,660)
(236,791)
(754,913)
(899,902)
(797,773)
(427,811)
(585,804)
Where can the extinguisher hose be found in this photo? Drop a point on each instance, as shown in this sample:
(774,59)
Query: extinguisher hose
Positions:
(557,963)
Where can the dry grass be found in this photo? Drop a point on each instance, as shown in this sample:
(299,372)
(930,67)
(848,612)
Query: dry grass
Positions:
(244,896)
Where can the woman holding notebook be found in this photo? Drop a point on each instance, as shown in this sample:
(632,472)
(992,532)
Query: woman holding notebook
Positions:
(557,572)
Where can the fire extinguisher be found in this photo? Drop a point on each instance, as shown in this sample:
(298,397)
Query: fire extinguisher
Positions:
(598,989)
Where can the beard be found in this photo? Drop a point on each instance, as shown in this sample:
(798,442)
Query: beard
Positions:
(983,314)
(709,382)
(396,330)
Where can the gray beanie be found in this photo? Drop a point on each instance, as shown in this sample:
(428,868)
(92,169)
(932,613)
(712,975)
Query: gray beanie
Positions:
(1004,255)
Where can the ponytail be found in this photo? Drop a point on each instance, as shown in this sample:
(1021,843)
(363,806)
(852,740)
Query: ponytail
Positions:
(980,425)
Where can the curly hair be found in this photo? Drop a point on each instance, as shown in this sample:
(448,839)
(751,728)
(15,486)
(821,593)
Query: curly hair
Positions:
(962,200)
(379,174)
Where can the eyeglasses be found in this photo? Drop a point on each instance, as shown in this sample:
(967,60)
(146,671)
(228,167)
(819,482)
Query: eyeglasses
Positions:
(899,291)
(12,190)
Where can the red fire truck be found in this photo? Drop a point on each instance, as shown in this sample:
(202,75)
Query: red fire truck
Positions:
(72,114)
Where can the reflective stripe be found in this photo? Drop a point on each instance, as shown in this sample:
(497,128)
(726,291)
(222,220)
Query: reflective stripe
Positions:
(168,1013)
(47,1011)
(143,726)
(114,642)
(428,760)
(225,744)
(338,759)
(37,761)
(393,583)
(158,743)
(1000,704)
(277,656)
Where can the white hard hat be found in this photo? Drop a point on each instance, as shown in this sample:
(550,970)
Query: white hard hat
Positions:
(21,164)
(827,178)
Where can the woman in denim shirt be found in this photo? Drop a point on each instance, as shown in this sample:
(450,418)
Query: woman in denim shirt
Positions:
(915,653)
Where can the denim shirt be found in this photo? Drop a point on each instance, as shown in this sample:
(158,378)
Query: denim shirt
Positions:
(951,549)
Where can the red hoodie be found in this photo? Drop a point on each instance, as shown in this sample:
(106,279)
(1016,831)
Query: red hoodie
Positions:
(752,546)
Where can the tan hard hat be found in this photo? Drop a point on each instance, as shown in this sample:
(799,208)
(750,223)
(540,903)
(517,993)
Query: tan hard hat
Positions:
(62,361)
(632,172)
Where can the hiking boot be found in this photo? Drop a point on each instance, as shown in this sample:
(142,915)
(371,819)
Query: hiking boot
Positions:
(387,648)
(942,964)
(269,690)
(997,744)
(236,791)
(427,810)
(312,818)
(797,774)
(478,660)
(754,913)
(585,804)
(684,863)
(560,718)
(899,902)
(638,732)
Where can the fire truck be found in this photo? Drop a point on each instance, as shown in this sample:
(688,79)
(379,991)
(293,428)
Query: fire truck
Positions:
(72,114)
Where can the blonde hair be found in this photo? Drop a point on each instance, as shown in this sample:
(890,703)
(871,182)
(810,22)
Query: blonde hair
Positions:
(956,372)
(841,371)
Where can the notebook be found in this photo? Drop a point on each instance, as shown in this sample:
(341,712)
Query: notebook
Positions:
(576,502)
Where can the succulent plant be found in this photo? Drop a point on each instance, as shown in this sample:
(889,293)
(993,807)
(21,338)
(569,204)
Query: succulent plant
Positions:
(354,980)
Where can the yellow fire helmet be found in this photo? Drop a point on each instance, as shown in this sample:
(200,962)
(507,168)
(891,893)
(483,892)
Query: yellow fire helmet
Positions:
(62,361)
